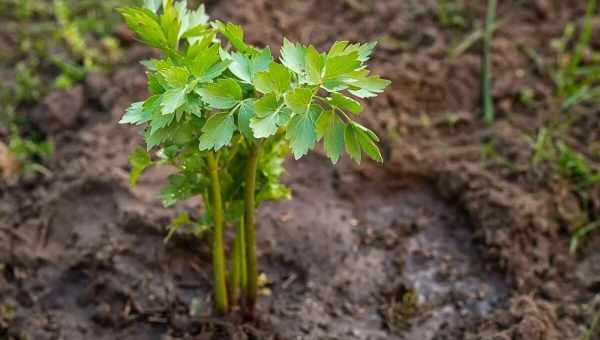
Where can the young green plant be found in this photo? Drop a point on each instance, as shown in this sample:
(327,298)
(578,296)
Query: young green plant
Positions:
(226,113)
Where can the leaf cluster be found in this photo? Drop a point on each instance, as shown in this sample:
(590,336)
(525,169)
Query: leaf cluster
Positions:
(213,92)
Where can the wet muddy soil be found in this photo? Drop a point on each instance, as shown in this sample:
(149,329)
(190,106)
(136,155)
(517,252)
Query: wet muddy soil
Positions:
(455,237)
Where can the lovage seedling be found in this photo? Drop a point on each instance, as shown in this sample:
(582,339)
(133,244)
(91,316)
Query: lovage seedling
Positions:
(225,114)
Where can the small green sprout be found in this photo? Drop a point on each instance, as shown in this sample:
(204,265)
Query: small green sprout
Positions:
(226,113)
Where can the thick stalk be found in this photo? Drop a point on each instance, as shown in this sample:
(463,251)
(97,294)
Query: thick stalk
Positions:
(249,230)
(238,263)
(218,249)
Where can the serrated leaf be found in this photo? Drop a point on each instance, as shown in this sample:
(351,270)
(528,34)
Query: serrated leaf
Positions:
(214,71)
(223,94)
(200,46)
(193,23)
(145,24)
(266,118)
(156,83)
(240,67)
(315,63)
(203,60)
(160,121)
(344,47)
(364,87)
(235,35)
(193,104)
(331,128)
(134,114)
(176,76)
(156,136)
(368,145)
(261,61)
(340,65)
(245,113)
(345,103)
(276,79)
(371,134)
(139,114)
(217,131)
(180,187)
(358,139)
(170,24)
(293,56)
(139,161)
(352,143)
(172,99)
(299,99)
(246,68)
(301,132)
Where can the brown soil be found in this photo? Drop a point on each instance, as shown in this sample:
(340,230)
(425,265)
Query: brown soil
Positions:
(443,242)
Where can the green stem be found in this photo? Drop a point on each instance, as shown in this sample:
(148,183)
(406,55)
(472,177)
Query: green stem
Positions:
(488,105)
(249,229)
(238,264)
(218,250)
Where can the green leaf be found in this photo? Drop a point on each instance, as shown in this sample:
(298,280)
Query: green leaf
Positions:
(246,68)
(200,46)
(145,24)
(169,21)
(193,104)
(293,56)
(139,114)
(344,47)
(235,35)
(193,23)
(240,67)
(341,65)
(217,131)
(352,143)
(266,118)
(203,60)
(176,76)
(195,33)
(301,132)
(223,94)
(160,121)
(134,114)
(314,66)
(331,128)
(357,139)
(180,187)
(176,223)
(345,103)
(299,99)
(246,113)
(155,83)
(214,71)
(139,161)
(371,134)
(277,80)
(261,61)
(369,147)
(154,137)
(364,87)
(172,99)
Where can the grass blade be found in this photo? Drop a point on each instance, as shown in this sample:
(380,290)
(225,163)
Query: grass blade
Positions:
(488,105)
